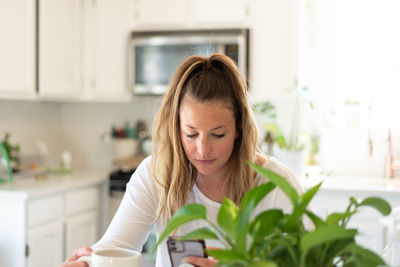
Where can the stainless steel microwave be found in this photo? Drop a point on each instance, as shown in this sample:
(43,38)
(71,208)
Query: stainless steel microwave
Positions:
(155,55)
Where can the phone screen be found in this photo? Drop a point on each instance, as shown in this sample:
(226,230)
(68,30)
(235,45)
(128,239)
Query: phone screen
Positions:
(178,250)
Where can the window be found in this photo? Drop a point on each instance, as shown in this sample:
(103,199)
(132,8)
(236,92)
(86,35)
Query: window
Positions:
(350,60)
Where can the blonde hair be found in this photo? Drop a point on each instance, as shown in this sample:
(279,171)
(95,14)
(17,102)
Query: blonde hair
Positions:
(205,79)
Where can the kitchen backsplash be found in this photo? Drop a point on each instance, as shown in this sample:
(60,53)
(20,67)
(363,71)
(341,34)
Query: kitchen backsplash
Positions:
(75,127)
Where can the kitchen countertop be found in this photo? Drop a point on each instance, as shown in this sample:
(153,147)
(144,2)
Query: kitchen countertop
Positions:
(354,183)
(52,183)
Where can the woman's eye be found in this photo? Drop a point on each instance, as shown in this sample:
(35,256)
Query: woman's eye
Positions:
(219,135)
(191,135)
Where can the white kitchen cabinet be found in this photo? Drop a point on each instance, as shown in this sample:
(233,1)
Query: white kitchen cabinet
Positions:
(17,49)
(60,48)
(178,14)
(45,245)
(81,230)
(47,218)
(224,13)
(161,14)
(107,27)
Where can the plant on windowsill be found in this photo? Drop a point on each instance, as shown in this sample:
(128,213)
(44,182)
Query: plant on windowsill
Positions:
(276,239)
(291,148)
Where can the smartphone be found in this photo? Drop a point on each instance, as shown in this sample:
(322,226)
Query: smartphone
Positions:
(178,250)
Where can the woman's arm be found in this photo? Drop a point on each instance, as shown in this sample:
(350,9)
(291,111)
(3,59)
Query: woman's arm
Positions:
(136,215)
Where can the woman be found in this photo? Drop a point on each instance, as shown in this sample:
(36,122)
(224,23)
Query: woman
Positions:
(203,135)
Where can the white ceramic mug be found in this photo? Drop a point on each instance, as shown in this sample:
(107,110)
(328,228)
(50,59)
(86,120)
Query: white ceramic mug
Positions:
(115,257)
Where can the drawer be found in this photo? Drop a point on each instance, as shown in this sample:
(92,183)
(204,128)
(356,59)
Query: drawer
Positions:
(82,199)
(45,210)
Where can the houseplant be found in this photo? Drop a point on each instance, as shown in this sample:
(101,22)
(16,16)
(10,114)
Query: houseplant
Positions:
(290,146)
(13,151)
(274,238)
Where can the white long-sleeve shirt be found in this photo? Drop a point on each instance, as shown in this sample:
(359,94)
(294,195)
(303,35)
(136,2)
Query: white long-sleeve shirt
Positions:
(136,215)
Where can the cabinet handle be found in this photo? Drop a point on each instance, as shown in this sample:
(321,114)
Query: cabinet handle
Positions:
(26,250)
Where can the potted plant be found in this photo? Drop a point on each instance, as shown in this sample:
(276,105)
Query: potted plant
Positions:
(290,148)
(13,152)
(274,238)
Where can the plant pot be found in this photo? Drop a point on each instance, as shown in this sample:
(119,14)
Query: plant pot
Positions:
(295,160)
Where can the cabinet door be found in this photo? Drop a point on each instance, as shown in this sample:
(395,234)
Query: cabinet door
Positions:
(81,230)
(161,13)
(17,48)
(107,26)
(221,12)
(45,245)
(60,48)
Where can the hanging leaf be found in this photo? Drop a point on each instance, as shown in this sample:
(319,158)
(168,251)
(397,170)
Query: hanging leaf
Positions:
(185,214)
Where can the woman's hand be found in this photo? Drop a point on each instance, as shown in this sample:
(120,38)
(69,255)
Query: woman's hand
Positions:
(78,252)
(202,262)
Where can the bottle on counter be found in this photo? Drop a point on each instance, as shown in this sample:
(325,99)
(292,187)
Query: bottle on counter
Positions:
(391,253)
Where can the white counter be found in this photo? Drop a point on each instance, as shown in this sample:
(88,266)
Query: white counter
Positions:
(355,183)
(52,183)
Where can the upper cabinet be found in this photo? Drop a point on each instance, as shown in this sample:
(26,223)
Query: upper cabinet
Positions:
(224,13)
(17,49)
(160,14)
(60,48)
(83,49)
(107,27)
(191,14)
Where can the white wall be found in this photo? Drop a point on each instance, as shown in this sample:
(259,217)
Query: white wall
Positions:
(274,54)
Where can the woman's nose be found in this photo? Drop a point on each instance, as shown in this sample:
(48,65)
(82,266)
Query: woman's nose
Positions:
(204,147)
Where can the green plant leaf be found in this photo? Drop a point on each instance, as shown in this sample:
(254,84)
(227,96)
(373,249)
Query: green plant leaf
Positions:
(379,204)
(264,222)
(279,181)
(368,258)
(247,205)
(187,213)
(227,217)
(309,195)
(360,256)
(295,220)
(285,247)
(318,222)
(281,141)
(226,255)
(336,217)
(263,264)
(201,233)
(322,235)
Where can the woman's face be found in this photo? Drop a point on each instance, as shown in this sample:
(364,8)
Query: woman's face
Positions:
(208,134)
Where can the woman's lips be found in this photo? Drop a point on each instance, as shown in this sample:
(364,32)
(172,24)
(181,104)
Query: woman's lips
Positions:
(205,162)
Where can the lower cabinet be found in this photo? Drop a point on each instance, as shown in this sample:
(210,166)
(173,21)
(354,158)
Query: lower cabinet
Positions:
(45,245)
(46,219)
(59,223)
(81,230)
